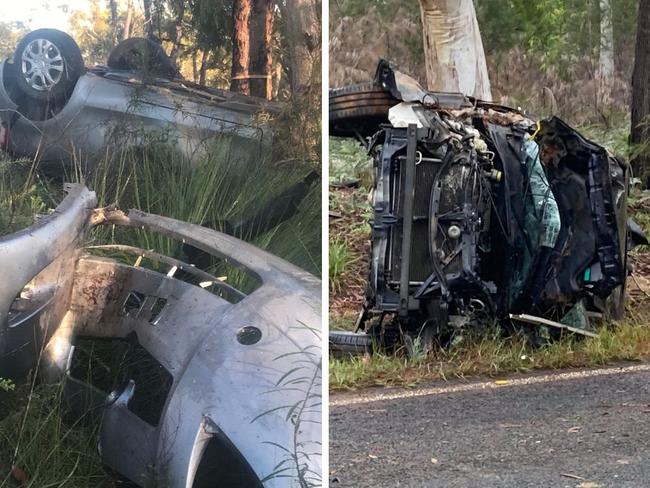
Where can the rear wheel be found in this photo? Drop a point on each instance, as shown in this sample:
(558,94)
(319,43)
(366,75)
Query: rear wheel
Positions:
(359,109)
(48,64)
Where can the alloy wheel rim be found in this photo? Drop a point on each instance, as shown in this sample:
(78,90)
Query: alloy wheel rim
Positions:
(42,65)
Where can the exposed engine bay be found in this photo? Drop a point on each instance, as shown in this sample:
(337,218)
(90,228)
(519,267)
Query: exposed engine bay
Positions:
(483,215)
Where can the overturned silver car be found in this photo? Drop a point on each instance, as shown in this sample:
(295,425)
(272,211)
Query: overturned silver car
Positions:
(54,108)
(225,381)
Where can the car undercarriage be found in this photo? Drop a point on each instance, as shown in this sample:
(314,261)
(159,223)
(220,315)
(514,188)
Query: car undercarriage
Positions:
(482,215)
(57,111)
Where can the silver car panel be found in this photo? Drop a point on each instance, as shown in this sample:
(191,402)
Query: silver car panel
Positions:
(106,104)
(259,397)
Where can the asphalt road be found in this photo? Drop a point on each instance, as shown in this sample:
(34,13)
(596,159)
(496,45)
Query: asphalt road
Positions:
(582,429)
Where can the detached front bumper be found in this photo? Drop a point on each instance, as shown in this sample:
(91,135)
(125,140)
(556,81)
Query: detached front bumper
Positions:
(243,401)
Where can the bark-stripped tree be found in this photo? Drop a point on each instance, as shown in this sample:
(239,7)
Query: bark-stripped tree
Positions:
(304,41)
(640,131)
(605,71)
(454,56)
(261,60)
(128,21)
(239,81)
(112,6)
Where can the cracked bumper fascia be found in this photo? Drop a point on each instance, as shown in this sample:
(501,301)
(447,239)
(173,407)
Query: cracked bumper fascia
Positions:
(221,387)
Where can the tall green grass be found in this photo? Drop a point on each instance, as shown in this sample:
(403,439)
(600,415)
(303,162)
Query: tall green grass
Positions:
(340,260)
(39,449)
(348,159)
(222,185)
(23,194)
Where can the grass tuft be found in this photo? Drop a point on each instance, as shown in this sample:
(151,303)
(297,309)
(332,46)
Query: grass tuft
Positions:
(340,261)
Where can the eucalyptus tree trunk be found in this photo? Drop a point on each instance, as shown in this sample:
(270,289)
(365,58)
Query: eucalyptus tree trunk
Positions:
(240,71)
(195,66)
(640,130)
(148,19)
(304,40)
(203,70)
(129,20)
(261,61)
(178,31)
(112,4)
(605,70)
(453,50)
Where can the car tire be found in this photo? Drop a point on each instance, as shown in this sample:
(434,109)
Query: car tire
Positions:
(142,55)
(48,64)
(349,343)
(359,108)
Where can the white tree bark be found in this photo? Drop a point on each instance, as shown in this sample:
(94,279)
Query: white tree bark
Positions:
(454,56)
(606,54)
(129,20)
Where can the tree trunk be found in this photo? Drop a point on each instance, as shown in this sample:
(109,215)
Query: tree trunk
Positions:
(148,21)
(277,79)
(239,81)
(112,4)
(453,49)
(261,61)
(204,67)
(605,71)
(304,40)
(129,20)
(195,68)
(178,32)
(640,132)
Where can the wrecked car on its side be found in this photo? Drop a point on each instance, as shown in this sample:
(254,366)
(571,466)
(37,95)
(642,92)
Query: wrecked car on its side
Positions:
(54,108)
(225,391)
(482,214)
